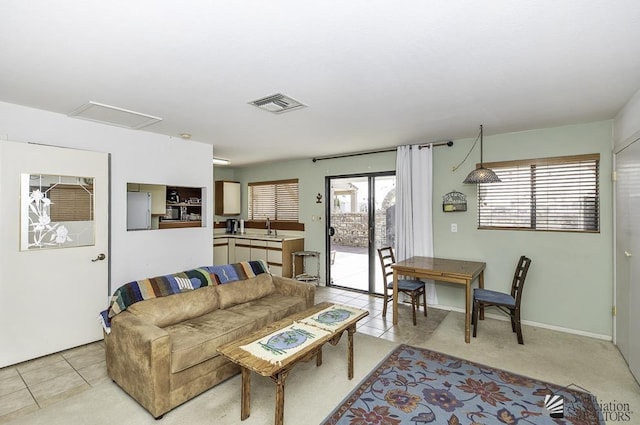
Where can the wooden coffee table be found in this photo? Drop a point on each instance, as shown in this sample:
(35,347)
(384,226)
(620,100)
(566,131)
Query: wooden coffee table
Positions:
(278,370)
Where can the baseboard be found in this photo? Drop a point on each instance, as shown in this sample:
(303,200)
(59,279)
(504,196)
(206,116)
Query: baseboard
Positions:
(531,323)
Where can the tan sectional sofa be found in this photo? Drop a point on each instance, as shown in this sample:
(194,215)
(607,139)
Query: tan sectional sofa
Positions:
(163,351)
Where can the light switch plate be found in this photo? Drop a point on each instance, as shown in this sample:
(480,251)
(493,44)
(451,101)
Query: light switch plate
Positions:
(454,227)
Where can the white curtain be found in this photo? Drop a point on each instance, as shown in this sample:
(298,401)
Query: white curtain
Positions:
(414,207)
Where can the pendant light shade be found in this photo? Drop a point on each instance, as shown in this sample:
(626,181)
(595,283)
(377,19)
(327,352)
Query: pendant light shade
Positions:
(482,175)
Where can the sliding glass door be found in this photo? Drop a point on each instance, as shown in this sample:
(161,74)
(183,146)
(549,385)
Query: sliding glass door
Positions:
(360,218)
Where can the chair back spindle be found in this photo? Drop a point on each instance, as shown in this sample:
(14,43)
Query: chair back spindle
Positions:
(519,278)
(387,259)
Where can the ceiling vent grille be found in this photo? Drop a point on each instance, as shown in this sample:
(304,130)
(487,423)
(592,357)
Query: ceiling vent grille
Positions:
(105,114)
(277,103)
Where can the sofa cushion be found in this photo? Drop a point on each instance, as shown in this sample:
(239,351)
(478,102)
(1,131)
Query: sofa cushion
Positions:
(196,340)
(270,308)
(165,311)
(234,293)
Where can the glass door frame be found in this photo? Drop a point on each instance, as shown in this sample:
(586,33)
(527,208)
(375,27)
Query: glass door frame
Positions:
(371,217)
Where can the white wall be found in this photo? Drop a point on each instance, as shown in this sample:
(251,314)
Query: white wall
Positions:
(626,126)
(136,156)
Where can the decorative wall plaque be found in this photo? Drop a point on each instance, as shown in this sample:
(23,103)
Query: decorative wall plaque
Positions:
(454,201)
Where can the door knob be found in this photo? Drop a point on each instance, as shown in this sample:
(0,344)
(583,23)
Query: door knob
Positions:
(628,254)
(100,257)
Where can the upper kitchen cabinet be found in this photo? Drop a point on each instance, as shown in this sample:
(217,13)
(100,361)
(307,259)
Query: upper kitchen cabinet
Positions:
(227,197)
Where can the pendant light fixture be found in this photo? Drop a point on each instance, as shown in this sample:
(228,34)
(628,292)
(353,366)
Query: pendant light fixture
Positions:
(482,175)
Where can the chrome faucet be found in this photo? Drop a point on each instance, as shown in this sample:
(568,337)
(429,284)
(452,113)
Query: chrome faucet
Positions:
(268,226)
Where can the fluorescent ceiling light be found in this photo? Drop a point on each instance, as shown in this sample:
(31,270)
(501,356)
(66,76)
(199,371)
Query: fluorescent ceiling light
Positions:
(220,161)
(106,114)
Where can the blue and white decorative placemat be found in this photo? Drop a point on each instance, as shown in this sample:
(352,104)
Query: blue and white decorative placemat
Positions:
(332,317)
(285,342)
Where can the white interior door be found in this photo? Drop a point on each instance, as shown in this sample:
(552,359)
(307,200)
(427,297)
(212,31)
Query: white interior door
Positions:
(628,255)
(54,215)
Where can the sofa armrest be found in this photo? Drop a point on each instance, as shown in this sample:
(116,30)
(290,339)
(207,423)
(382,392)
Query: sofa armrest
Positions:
(138,355)
(287,286)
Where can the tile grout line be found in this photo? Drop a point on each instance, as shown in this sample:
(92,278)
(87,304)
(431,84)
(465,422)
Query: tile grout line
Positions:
(28,389)
(76,371)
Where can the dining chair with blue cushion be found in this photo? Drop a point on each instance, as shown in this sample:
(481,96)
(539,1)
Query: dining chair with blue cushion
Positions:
(412,287)
(508,303)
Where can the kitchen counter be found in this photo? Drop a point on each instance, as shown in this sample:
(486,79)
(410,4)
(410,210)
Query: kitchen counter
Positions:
(172,224)
(257,236)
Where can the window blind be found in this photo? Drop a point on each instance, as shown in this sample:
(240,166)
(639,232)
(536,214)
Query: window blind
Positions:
(275,200)
(558,194)
(71,203)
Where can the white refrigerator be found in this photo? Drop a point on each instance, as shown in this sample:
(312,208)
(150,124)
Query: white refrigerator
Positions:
(138,210)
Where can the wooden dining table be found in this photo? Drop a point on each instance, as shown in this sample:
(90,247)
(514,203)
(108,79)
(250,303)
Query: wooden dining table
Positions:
(441,270)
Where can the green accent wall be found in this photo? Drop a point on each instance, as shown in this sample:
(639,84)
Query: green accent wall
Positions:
(570,281)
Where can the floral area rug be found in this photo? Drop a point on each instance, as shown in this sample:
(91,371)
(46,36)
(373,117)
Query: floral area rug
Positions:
(419,386)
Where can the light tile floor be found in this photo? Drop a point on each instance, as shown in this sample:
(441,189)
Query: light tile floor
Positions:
(40,382)
(37,383)
(382,327)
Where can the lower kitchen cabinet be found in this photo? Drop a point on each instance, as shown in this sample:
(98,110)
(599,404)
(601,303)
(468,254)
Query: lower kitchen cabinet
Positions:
(259,251)
(242,250)
(275,253)
(274,258)
(220,251)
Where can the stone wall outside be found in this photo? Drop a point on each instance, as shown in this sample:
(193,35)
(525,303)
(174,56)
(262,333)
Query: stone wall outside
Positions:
(351,229)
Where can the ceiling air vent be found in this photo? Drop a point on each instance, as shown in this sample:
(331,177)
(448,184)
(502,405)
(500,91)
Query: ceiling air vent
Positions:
(277,103)
(106,114)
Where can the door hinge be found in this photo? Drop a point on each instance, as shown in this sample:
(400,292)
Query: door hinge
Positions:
(614,176)
(613,310)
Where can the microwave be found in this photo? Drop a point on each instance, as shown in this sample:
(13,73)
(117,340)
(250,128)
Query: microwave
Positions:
(173,213)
